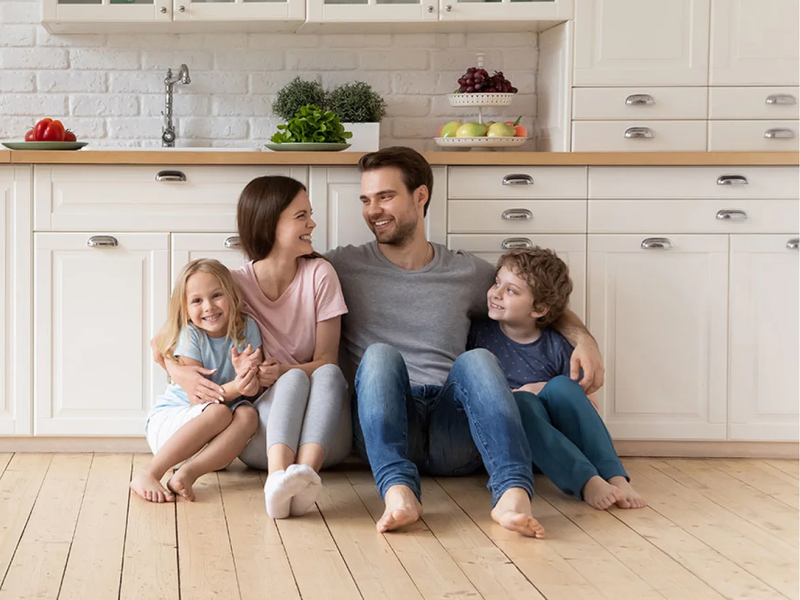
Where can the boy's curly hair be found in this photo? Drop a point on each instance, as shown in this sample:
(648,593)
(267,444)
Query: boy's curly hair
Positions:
(547,277)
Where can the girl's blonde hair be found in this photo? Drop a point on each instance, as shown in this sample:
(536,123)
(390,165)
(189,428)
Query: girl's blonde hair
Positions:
(178,311)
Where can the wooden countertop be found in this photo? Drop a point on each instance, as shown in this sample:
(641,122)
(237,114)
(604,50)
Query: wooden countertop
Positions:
(146,157)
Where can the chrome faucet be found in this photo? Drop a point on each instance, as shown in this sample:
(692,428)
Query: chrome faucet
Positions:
(167,127)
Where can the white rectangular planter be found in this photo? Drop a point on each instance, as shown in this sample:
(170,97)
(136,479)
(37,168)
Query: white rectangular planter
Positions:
(366,136)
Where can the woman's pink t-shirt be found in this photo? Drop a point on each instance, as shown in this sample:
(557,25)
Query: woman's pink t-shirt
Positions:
(289,324)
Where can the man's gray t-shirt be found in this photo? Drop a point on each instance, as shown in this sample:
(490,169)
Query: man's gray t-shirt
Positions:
(425,314)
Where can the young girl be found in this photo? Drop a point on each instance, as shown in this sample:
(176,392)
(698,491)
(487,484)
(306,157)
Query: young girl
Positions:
(295,297)
(205,329)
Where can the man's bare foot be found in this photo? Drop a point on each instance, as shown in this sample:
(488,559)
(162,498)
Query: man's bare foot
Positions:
(181,484)
(402,508)
(627,497)
(150,488)
(600,494)
(513,511)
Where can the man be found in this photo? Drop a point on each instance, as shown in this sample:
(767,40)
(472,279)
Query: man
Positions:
(420,402)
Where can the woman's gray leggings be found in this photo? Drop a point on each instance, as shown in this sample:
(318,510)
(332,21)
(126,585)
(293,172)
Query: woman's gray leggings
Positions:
(298,410)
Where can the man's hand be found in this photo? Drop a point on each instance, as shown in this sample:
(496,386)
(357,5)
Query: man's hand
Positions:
(533,388)
(587,356)
(247,382)
(246,359)
(197,387)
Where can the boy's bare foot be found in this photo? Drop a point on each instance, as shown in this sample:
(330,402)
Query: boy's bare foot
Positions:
(627,497)
(150,488)
(402,508)
(600,494)
(513,511)
(181,484)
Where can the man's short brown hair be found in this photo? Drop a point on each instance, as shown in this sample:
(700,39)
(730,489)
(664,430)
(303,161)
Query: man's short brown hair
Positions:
(547,278)
(413,167)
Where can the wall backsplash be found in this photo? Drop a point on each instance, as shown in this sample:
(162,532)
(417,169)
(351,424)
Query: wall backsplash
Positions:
(109,88)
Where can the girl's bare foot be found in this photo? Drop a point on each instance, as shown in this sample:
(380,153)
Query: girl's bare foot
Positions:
(402,508)
(627,497)
(513,511)
(600,494)
(181,484)
(150,488)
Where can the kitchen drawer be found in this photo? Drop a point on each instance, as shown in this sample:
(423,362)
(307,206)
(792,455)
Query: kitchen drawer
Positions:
(639,103)
(693,182)
(514,216)
(740,136)
(753,103)
(693,216)
(516,182)
(638,136)
(129,198)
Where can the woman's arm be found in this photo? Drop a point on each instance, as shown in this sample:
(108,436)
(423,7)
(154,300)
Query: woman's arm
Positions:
(586,355)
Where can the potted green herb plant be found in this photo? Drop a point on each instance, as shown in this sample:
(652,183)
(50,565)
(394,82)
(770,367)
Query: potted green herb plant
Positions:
(296,94)
(360,109)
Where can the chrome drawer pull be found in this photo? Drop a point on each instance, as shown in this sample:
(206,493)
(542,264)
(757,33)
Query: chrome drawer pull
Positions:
(516,243)
(102,241)
(656,244)
(170,176)
(728,215)
(517,214)
(785,99)
(779,134)
(233,242)
(640,100)
(639,133)
(518,179)
(793,244)
(732,180)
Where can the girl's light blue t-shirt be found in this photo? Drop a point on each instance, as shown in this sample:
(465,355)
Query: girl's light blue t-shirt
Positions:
(213,353)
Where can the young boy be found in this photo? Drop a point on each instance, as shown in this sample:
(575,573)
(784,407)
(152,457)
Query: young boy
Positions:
(569,442)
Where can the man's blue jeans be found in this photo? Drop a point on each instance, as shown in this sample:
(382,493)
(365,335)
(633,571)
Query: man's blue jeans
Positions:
(568,439)
(441,430)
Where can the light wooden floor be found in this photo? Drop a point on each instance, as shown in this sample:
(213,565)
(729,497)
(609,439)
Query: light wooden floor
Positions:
(714,529)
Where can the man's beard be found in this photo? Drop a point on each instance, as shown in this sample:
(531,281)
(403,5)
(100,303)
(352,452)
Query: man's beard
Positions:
(401,235)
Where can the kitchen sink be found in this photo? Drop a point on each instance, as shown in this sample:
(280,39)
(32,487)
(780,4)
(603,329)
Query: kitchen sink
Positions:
(179,149)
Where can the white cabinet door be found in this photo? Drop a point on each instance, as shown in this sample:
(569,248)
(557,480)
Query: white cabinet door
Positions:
(15,300)
(754,43)
(142,11)
(763,338)
(224,247)
(641,42)
(660,318)
(505,10)
(372,11)
(238,10)
(95,311)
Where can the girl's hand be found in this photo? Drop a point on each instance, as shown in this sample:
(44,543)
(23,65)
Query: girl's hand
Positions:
(533,388)
(247,382)
(246,359)
(268,374)
(197,387)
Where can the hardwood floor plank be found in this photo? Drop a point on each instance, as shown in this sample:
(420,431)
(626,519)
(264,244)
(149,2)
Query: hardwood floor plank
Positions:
(791,479)
(5,458)
(661,572)
(150,560)
(19,488)
(731,536)
(433,571)
(94,567)
(38,564)
(377,571)
(205,558)
(790,467)
(258,553)
(768,483)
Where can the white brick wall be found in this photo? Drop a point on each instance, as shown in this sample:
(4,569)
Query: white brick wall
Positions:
(108,88)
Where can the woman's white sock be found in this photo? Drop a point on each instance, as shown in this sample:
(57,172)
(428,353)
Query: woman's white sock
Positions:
(306,497)
(278,493)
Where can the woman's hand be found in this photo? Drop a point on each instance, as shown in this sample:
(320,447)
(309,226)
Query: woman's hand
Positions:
(268,373)
(197,387)
(246,359)
(533,388)
(587,356)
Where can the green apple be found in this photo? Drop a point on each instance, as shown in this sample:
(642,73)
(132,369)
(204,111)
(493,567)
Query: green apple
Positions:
(489,123)
(501,130)
(449,129)
(471,130)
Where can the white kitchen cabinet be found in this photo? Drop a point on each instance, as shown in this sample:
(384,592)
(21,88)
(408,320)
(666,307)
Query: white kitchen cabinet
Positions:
(658,307)
(754,43)
(15,300)
(504,10)
(186,247)
(763,344)
(99,299)
(753,136)
(641,43)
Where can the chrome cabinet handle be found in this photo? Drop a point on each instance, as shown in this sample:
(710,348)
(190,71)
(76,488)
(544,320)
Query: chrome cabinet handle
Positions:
(640,100)
(639,133)
(448,8)
(656,243)
(515,243)
(170,176)
(181,8)
(233,242)
(784,99)
(102,241)
(163,10)
(517,214)
(430,8)
(732,180)
(793,244)
(728,215)
(779,134)
(517,179)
